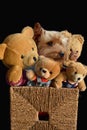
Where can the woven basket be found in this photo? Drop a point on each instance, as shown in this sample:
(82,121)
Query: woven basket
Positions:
(43,108)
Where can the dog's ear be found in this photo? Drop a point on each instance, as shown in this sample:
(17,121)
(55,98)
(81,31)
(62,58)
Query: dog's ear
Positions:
(37,31)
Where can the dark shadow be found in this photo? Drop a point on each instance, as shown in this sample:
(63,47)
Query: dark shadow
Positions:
(43,116)
(4,100)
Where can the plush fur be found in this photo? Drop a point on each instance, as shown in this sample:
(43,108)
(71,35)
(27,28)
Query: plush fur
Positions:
(45,70)
(72,77)
(18,51)
(76,45)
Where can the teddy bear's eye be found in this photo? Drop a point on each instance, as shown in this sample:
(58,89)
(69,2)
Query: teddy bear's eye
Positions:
(22,56)
(50,72)
(76,51)
(50,43)
(32,49)
(75,72)
(40,69)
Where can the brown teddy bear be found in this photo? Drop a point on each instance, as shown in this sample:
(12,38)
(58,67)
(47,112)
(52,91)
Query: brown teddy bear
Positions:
(45,70)
(17,52)
(59,45)
(72,77)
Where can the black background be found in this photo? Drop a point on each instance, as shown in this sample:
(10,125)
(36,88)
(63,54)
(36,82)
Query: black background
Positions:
(55,15)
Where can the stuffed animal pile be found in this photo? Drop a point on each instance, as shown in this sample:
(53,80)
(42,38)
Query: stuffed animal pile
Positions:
(66,48)
(40,57)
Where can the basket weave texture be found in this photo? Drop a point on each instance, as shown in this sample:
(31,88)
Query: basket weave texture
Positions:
(27,102)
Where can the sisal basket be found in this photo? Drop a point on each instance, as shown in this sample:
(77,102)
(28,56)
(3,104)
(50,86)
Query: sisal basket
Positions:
(43,108)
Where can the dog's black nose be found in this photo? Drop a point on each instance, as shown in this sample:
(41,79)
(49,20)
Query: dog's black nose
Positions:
(34,58)
(61,54)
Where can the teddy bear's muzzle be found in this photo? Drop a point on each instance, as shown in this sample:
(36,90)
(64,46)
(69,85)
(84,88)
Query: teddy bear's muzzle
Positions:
(45,73)
(34,58)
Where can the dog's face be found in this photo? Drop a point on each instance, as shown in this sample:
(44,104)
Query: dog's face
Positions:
(52,44)
(53,50)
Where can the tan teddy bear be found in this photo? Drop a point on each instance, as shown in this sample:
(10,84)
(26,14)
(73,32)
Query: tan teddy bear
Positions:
(17,52)
(72,77)
(58,45)
(45,70)
(76,46)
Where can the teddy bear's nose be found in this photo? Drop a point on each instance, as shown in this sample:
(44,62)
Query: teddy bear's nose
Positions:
(78,78)
(44,71)
(34,58)
(61,54)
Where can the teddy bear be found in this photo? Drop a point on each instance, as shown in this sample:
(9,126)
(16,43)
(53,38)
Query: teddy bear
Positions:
(59,45)
(46,69)
(76,45)
(17,52)
(72,77)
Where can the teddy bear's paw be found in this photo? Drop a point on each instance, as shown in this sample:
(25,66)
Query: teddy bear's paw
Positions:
(14,75)
(58,86)
(82,89)
(30,74)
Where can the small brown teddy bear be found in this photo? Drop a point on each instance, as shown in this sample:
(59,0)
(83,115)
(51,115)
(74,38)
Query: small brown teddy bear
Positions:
(17,52)
(45,70)
(72,77)
(52,44)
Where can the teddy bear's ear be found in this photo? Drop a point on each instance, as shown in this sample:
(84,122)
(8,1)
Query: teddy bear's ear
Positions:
(28,31)
(66,33)
(2,50)
(79,37)
(85,68)
(68,63)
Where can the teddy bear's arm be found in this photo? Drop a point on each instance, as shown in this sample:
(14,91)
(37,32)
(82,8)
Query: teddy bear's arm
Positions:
(58,80)
(14,75)
(30,74)
(82,86)
(2,50)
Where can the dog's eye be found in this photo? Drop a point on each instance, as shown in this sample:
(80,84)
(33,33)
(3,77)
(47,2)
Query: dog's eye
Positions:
(50,43)
(22,56)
